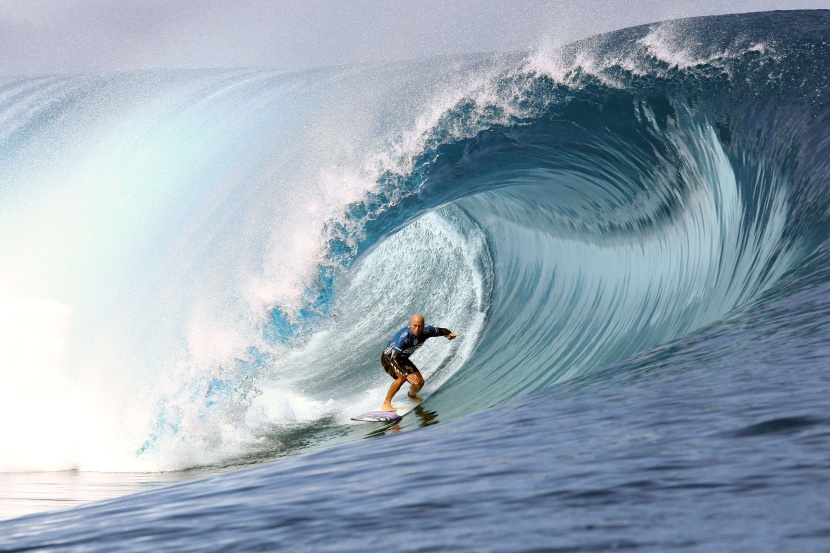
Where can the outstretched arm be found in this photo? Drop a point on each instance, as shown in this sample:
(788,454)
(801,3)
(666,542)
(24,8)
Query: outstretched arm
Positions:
(448,333)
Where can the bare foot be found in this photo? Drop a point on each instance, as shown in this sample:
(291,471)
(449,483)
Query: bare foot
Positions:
(387,407)
(414,397)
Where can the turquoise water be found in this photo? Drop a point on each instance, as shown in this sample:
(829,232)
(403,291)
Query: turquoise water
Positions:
(629,234)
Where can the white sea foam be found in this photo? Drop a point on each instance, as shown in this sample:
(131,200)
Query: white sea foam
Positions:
(51,420)
(680,47)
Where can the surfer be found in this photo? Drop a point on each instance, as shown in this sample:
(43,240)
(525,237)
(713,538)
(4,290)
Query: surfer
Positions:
(395,357)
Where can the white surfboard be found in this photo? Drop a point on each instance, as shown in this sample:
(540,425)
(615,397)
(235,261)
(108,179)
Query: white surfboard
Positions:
(402,408)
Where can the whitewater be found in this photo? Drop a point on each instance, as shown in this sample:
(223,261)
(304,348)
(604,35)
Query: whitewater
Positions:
(199,269)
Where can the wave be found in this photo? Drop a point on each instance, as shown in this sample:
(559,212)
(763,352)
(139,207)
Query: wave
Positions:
(219,256)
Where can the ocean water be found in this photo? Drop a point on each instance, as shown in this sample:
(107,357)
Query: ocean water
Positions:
(630,233)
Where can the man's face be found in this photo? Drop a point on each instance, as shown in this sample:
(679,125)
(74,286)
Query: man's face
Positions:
(416,325)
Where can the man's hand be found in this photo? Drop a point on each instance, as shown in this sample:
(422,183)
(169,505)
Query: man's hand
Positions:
(452,336)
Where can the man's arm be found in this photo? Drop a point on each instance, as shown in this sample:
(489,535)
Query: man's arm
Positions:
(448,333)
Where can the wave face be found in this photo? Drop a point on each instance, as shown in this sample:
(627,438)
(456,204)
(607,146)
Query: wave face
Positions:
(201,268)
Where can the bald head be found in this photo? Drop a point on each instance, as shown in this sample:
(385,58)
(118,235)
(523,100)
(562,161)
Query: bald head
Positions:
(416,324)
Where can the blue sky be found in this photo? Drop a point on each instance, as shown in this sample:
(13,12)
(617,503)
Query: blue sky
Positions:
(91,36)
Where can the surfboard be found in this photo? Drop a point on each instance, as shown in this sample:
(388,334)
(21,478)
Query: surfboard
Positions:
(402,408)
(378,416)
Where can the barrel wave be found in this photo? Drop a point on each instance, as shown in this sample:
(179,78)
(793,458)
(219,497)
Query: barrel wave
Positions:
(201,268)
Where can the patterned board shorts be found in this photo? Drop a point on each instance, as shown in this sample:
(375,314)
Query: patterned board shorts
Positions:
(392,371)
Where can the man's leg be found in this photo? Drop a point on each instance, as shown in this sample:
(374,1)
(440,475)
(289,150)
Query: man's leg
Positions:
(393,389)
(416,382)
